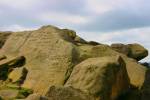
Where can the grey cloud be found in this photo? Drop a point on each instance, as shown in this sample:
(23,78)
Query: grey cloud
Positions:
(28,16)
(68,6)
(118,19)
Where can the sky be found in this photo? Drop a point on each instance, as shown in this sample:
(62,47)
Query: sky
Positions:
(105,21)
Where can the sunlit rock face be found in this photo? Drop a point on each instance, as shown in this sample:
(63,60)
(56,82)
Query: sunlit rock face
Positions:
(56,64)
(104,77)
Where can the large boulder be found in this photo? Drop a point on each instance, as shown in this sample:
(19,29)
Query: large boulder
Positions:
(103,77)
(138,52)
(136,71)
(88,51)
(135,51)
(50,56)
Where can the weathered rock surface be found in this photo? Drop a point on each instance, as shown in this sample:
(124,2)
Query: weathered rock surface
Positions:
(58,58)
(138,52)
(136,71)
(36,97)
(49,56)
(3,37)
(104,77)
(8,94)
(61,93)
(67,93)
(13,92)
(122,48)
(135,51)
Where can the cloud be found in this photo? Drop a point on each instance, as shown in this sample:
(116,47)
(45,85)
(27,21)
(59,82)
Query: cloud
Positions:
(97,15)
(118,15)
(64,18)
(71,6)
(117,20)
(39,12)
(102,6)
(20,4)
(15,28)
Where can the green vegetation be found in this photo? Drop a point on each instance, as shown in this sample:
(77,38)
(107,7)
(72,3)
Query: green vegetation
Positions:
(24,93)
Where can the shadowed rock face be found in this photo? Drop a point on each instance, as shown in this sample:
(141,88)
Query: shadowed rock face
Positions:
(50,60)
(145,91)
(7,65)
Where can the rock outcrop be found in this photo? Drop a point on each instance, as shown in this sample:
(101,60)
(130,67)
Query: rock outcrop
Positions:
(136,71)
(57,64)
(138,52)
(104,77)
(135,51)
(49,55)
